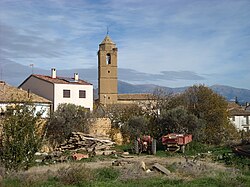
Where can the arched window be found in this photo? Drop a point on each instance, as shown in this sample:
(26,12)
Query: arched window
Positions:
(108,59)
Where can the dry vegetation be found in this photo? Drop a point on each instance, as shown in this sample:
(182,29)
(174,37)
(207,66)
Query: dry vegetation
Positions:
(101,172)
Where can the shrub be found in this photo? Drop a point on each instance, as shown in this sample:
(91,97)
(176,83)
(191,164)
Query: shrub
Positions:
(65,120)
(74,174)
(21,136)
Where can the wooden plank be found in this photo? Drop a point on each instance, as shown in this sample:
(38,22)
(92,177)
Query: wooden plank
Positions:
(161,168)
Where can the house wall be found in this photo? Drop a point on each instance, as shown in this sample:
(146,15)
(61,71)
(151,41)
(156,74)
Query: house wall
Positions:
(39,87)
(40,107)
(44,108)
(74,95)
(240,121)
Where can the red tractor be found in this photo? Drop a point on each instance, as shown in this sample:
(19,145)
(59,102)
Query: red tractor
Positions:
(176,142)
(145,144)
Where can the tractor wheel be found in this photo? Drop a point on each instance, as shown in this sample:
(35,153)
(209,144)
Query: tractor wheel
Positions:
(183,148)
(136,147)
(153,147)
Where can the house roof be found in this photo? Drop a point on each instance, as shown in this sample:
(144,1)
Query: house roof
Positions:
(12,94)
(61,80)
(236,110)
(134,97)
(233,105)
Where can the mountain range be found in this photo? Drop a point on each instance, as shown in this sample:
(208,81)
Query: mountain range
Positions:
(230,93)
(14,74)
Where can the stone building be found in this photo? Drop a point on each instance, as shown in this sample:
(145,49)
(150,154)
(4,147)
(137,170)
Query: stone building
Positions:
(108,77)
(107,72)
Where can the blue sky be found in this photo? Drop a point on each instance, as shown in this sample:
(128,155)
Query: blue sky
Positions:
(166,42)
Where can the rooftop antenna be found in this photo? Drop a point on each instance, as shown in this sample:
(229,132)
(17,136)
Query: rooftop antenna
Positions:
(32,68)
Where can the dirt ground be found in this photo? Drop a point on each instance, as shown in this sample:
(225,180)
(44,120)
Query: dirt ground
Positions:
(134,167)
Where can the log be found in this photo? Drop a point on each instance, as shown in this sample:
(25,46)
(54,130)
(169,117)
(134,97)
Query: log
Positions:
(86,142)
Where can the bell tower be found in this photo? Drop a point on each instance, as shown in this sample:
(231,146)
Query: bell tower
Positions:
(107,72)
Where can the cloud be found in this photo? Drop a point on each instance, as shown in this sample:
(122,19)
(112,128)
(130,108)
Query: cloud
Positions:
(164,39)
(133,75)
(18,45)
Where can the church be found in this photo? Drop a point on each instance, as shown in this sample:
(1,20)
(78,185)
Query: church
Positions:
(108,77)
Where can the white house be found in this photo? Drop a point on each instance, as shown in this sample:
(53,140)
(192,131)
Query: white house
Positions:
(61,89)
(10,95)
(239,116)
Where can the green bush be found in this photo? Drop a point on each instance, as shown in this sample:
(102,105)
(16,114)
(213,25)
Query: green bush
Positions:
(65,120)
(21,136)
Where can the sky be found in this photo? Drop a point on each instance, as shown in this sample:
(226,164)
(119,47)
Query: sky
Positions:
(171,43)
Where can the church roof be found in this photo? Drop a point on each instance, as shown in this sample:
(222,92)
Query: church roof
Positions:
(134,97)
(107,40)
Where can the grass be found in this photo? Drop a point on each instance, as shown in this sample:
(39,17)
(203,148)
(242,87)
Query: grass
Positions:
(125,148)
(107,174)
(109,177)
(78,175)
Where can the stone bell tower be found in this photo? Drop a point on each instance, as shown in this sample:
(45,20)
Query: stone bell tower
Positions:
(107,72)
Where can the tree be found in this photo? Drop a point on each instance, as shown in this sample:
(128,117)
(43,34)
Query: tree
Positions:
(135,127)
(123,118)
(21,138)
(178,120)
(65,120)
(212,109)
(119,114)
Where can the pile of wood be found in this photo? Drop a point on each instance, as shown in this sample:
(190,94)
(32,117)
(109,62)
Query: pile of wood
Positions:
(92,144)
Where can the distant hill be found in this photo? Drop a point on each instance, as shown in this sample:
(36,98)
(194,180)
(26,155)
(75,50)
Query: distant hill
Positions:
(243,95)
(14,74)
(124,87)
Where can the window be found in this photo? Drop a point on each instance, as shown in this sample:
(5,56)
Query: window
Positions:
(66,93)
(82,94)
(108,59)
(247,120)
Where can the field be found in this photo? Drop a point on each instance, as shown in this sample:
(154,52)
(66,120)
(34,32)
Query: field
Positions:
(217,167)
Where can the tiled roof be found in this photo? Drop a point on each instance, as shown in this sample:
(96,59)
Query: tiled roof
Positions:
(61,80)
(12,94)
(135,96)
(233,105)
(236,110)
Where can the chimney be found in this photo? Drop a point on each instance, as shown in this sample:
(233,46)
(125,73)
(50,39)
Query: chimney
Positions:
(53,73)
(76,76)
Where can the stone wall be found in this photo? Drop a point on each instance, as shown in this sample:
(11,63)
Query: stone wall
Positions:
(102,127)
